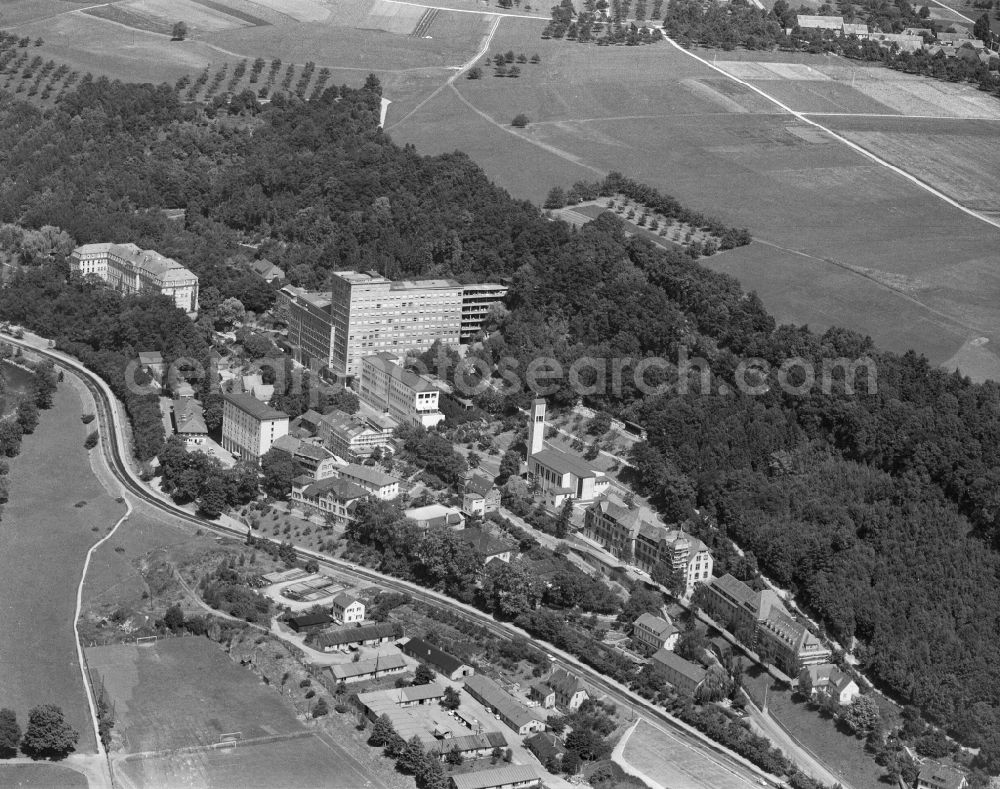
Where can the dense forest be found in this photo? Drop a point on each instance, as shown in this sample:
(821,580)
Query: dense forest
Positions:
(883,514)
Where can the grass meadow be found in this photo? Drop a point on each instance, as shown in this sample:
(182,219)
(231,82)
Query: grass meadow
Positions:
(842,240)
(57,510)
(41,776)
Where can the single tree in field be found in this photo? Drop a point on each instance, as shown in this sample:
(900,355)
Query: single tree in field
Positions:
(174,618)
(475,73)
(48,736)
(556,198)
(179,32)
(536,58)
(520,121)
(10,734)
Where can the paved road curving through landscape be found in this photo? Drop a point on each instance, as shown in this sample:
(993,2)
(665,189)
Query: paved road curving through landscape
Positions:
(110,416)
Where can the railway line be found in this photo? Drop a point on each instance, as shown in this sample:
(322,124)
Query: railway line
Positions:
(113,441)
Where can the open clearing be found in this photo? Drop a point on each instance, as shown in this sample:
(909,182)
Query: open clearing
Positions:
(672,763)
(182,692)
(44,538)
(842,240)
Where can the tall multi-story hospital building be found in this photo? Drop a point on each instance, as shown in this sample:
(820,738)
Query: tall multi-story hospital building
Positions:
(131,270)
(364,314)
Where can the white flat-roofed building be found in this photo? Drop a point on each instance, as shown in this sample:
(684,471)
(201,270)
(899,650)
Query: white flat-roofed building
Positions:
(250,427)
(131,271)
(388,386)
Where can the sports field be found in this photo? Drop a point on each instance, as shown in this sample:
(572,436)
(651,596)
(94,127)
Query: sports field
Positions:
(672,764)
(843,240)
(304,762)
(183,692)
(176,698)
(43,541)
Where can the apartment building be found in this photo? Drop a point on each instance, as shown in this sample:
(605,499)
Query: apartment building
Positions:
(636,533)
(333,496)
(388,386)
(765,622)
(319,461)
(250,427)
(131,270)
(310,332)
(789,642)
(685,676)
(651,634)
(371,313)
(354,435)
(381,485)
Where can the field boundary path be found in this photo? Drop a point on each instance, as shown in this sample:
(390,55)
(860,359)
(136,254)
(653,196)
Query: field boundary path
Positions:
(804,118)
(483,49)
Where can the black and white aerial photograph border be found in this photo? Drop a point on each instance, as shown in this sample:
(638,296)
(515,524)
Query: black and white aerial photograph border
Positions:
(490,394)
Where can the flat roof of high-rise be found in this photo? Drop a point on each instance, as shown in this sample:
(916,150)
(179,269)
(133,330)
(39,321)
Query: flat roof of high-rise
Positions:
(361,278)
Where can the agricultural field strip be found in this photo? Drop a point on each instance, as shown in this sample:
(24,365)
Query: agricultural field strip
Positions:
(76,619)
(53,16)
(854,146)
(121,15)
(468,10)
(483,49)
(890,115)
(250,19)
